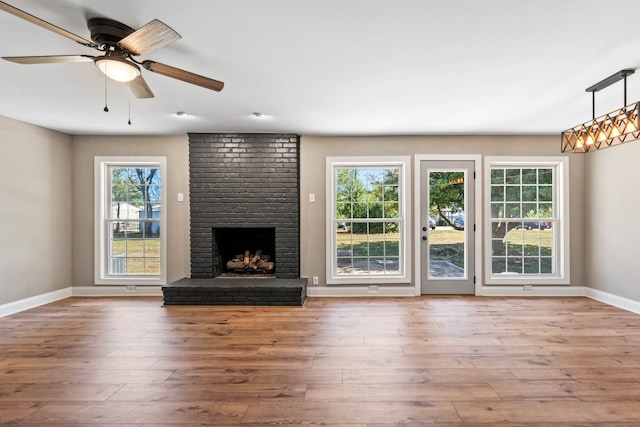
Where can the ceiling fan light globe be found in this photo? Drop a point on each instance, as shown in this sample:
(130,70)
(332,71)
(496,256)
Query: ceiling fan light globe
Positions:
(118,69)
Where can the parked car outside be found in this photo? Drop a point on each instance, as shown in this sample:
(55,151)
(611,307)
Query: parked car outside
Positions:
(534,225)
(458,223)
(343,228)
(432,223)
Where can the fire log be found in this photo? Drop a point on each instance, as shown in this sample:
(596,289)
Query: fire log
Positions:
(264,265)
(251,262)
(235,265)
(256,257)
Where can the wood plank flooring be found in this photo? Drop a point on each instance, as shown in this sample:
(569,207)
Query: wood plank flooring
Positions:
(444,361)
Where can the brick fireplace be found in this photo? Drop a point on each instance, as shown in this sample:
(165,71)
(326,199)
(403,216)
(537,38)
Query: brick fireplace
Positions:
(248,183)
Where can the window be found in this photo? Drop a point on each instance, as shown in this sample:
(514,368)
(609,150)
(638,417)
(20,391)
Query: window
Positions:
(130,221)
(367,220)
(527,220)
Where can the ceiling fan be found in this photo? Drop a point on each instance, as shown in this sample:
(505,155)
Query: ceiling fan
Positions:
(119,44)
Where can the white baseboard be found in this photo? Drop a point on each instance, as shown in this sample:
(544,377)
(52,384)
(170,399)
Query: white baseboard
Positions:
(409,291)
(116,291)
(614,300)
(537,291)
(33,302)
(326,291)
(361,291)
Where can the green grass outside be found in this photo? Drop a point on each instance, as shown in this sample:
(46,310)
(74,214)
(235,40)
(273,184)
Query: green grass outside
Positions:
(143,255)
(448,244)
(372,245)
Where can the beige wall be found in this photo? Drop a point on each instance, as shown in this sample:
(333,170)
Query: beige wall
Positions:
(314,150)
(612,217)
(35,211)
(46,181)
(176,149)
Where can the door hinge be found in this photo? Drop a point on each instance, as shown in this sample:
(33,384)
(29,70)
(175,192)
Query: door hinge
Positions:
(474,280)
(474,228)
(474,174)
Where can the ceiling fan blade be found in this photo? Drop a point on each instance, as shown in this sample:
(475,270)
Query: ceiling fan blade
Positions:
(185,76)
(44,24)
(139,88)
(50,59)
(151,36)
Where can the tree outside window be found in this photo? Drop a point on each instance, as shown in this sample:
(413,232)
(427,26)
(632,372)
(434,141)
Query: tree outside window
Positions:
(527,222)
(366,220)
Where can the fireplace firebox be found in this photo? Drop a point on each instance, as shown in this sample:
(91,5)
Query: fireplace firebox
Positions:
(244,251)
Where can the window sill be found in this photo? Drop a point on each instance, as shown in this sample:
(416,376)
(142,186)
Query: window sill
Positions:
(119,281)
(369,280)
(527,280)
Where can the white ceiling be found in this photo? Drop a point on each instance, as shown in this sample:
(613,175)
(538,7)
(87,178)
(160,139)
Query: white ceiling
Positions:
(334,67)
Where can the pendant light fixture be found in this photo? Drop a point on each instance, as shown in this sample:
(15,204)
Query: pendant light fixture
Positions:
(615,128)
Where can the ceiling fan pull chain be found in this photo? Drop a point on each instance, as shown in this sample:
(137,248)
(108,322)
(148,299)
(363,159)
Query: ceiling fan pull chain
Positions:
(129,122)
(106,109)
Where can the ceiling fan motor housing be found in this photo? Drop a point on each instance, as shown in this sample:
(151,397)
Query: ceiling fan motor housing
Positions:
(107,32)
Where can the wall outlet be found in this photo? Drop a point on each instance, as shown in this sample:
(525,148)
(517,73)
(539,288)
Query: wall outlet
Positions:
(131,288)
(373,288)
(312,198)
(315,280)
(528,288)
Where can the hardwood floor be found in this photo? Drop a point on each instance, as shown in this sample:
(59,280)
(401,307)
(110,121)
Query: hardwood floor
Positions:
(350,362)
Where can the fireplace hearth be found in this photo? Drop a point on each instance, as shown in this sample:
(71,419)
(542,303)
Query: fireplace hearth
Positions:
(236,291)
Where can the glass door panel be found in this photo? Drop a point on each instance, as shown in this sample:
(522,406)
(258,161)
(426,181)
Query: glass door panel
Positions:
(447,224)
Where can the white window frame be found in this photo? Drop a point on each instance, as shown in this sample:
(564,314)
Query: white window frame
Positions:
(102,204)
(561,220)
(401,162)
